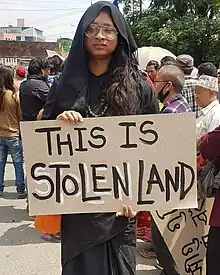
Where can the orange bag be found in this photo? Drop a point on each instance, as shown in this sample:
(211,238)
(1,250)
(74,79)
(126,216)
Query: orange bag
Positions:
(50,224)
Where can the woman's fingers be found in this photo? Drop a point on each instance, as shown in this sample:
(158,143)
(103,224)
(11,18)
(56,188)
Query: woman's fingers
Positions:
(131,213)
(126,212)
(71,116)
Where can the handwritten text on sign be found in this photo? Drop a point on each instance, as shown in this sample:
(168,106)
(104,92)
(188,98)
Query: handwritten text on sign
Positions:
(147,162)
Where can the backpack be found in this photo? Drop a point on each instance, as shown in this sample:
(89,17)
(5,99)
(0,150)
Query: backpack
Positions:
(208,180)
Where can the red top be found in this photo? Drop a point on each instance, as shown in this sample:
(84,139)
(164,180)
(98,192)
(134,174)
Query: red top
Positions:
(210,149)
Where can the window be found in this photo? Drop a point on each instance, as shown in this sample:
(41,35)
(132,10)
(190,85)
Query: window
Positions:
(18,38)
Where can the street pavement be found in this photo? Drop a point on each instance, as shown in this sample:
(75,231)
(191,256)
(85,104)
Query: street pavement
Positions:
(22,251)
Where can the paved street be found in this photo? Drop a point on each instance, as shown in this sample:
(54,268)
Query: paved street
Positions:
(22,252)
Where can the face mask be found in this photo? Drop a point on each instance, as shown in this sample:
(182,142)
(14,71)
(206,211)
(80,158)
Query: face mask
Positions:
(161,95)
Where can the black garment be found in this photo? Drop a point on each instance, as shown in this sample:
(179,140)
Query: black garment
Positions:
(108,241)
(47,114)
(162,252)
(33,95)
(96,260)
(213,249)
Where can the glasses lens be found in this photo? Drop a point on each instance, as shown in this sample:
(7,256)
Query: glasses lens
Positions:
(92,30)
(108,32)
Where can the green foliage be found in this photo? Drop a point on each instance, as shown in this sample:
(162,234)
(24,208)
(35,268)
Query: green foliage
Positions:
(65,44)
(180,26)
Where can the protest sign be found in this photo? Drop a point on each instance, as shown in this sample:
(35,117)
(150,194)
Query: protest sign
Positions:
(185,233)
(147,162)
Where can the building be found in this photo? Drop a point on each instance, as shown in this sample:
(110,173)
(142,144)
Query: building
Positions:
(21,33)
(14,53)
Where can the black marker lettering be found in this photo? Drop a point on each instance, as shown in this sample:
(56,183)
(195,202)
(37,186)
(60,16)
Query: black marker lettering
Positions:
(118,180)
(42,177)
(148,131)
(154,179)
(96,178)
(75,183)
(48,131)
(80,139)
(58,167)
(127,137)
(169,179)
(140,185)
(183,191)
(61,143)
(83,181)
(101,137)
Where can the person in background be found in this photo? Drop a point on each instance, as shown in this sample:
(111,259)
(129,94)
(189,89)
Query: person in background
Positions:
(206,97)
(34,91)
(20,75)
(168,86)
(110,84)
(218,75)
(9,131)
(210,150)
(152,69)
(186,63)
(207,68)
(56,64)
(168,60)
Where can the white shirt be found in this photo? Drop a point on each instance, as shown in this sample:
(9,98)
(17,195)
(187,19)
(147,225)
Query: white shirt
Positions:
(208,119)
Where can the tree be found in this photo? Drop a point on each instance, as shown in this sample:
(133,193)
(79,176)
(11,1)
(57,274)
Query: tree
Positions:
(65,44)
(181,26)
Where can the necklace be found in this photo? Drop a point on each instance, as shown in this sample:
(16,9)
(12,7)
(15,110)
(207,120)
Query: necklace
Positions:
(97,115)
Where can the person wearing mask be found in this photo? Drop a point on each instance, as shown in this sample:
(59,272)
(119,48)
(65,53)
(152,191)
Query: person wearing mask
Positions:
(110,84)
(210,150)
(168,86)
(20,75)
(34,91)
(206,97)
(9,131)
(186,63)
(152,69)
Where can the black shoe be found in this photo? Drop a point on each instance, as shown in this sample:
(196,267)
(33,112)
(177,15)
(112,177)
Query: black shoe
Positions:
(1,194)
(22,195)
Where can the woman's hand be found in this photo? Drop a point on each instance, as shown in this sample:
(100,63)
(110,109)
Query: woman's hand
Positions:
(71,117)
(127,212)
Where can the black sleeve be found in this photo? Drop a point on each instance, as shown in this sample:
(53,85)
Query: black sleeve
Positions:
(149,102)
(50,110)
(42,91)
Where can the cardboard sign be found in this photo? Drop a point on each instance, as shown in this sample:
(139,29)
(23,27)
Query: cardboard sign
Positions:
(147,162)
(186,233)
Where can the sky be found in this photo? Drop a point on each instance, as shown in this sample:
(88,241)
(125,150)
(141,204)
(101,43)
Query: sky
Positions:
(57,18)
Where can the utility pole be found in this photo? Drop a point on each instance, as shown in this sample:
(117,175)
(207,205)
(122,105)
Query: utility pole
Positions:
(141,7)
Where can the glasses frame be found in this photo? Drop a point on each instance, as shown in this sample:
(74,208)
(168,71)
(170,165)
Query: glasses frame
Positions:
(101,28)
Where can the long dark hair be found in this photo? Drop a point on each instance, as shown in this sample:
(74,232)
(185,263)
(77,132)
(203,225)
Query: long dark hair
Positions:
(6,82)
(122,88)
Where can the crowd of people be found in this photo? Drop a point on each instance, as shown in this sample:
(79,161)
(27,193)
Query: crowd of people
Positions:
(101,77)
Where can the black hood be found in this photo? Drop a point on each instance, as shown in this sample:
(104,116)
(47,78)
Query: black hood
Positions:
(73,84)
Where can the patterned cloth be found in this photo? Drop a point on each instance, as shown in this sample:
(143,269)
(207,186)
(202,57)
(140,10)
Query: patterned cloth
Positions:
(178,104)
(208,82)
(189,93)
(143,226)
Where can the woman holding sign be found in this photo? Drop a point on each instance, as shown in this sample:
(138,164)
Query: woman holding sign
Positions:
(100,78)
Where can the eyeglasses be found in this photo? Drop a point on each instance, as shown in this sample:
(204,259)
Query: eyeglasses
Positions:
(163,81)
(107,31)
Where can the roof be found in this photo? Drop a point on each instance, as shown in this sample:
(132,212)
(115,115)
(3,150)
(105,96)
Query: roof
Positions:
(26,49)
